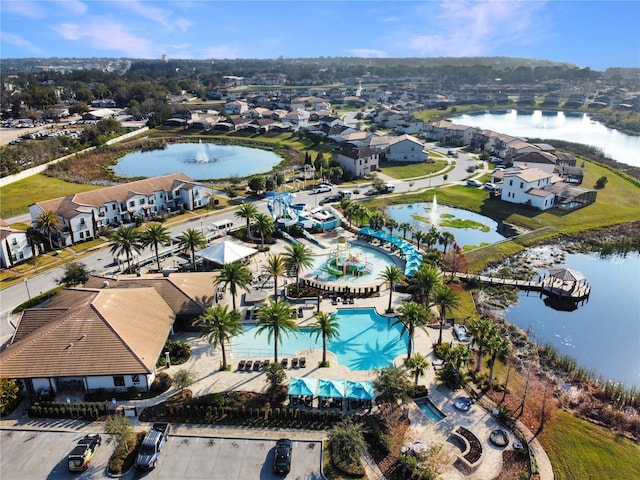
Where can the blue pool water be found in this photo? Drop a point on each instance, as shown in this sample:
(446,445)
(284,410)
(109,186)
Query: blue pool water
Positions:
(366,341)
(369,256)
(430,410)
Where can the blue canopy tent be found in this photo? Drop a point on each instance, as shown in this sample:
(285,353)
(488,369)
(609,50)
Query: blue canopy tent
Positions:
(302,390)
(331,392)
(360,394)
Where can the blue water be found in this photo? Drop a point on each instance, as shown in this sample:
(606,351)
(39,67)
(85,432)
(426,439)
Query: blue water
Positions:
(200,161)
(377,260)
(430,410)
(366,341)
(603,334)
(464,236)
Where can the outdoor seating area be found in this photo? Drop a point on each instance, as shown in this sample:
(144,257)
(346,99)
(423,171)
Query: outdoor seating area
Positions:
(329,393)
(259,365)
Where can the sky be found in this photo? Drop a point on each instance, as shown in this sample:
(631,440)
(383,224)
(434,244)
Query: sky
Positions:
(595,34)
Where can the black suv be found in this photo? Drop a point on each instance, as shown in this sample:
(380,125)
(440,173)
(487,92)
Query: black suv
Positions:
(282,456)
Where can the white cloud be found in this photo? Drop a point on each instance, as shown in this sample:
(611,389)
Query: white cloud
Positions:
(23,8)
(107,35)
(75,7)
(156,14)
(367,53)
(21,42)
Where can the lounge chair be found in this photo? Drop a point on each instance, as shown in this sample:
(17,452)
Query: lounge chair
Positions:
(345,301)
(300,313)
(257,365)
(294,362)
(247,314)
(265,364)
(351,301)
(248,365)
(334,301)
(303,362)
(241,365)
(284,362)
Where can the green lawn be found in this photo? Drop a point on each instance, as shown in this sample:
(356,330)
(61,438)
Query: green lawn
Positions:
(579,449)
(411,170)
(16,197)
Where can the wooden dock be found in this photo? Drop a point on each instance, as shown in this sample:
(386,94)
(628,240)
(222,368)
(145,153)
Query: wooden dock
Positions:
(562,289)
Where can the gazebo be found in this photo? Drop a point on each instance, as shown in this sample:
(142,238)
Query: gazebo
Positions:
(331,390)
(302,388)
(360,391)
(226,252)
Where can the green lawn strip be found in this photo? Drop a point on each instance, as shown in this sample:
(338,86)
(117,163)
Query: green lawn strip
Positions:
(411,170)
(16,197)
(579,449)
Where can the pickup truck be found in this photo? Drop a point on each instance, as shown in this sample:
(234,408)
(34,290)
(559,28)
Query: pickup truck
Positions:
(152,446)
(82,454)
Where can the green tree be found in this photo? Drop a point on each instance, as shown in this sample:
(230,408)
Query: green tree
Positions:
(256,184)
(276,267)
(327,326)
(9,394)
(234,275)
(445,239)
(417,366)
(264,225)
(405,227)
(183,378)
(248,212)
(376,220)
(125,240)
(297,257)
(447,300)
(411,315)
(275,376)
(390,223)
(498,349)
(346,442)
(393,385)
(431,237)
(481,330)
(119,427)
(424,280)
(276,318)
(75,273)
(218,325)
(47,223)
(392,275)
(191,239)
(154,235)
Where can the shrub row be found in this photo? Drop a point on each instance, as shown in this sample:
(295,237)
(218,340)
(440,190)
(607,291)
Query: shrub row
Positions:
(83,411)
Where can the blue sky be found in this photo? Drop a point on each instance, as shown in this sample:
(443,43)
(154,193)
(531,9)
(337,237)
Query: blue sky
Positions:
(596,34)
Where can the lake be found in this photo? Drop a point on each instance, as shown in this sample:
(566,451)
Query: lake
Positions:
(200,161)
(603,334)
(577,128)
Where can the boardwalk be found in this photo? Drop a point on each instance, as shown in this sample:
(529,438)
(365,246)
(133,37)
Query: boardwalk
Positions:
(563,289)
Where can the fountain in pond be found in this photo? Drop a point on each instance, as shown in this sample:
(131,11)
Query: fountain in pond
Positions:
(201,155)
(434,215)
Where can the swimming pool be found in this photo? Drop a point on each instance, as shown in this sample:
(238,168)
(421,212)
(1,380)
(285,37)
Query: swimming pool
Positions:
(372,260)
(430,410)
(366,341)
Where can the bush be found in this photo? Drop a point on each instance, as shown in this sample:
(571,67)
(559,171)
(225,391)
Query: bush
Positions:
(179,353)
(442,350)
(161,383)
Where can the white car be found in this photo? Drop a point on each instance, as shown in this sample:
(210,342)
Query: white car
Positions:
(461,333)
(490,186)
(322,189)
(472,182)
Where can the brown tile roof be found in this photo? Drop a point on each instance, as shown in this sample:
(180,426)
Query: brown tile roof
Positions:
(111,332)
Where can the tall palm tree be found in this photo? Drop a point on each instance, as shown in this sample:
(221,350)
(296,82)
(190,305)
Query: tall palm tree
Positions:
(34,240)
(392,275)
(326,325)
(418,235)
(297,256)
(411,316)
(390,223)
(153,236)
(447,300)
(276,318)
(445,239)
(125,240)
(422,283)
(481,330)
(248,211)
(405,227)
(264,225)
(276,267)
(362,212)
(376,220)
(47,224)
(234,275)
(431,237)
(191,239)
(498,348)
(459,356)
(417,367)
(218,325)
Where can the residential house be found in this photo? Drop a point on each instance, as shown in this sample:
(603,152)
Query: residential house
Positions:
(458,135)
(406,148)
(298,118)
(14,247)
(437,130)
(526,186)
(542,160)
(99,114)
(85,215)
(236,107)
(360,162)
(411,126)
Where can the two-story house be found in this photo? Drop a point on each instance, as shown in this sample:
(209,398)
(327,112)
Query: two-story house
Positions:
(536,159)
(360,161)
(406,148)
(236,107)
(14,247)
(526,186)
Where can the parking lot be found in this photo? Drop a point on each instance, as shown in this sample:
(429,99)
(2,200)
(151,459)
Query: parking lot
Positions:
(43,455)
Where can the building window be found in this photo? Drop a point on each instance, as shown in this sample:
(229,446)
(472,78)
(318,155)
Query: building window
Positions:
(81,235)
(135,379)
(521,185)
(82,221)
(113,207)
(14,241)
(510,183)
(132,203)
(118,381)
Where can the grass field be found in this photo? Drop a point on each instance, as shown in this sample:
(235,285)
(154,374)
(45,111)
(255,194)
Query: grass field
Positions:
(411,170)
(579,449)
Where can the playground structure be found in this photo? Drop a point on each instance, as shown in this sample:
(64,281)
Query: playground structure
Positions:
(285,214)
(279,205)
(342,261)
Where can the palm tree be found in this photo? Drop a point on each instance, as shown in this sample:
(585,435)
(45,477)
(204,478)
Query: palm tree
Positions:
(125,240)
(248,211)
(47,224)
(327,326)
(349,208)
(264,225)
(297,256)
(276,318)
(411,316)
(362,212)
(481,330)
(447,300)
(424,280)
(431,237)
(234,275)
(376,220)
(391,224)
(499,349)
(418,235)
(446,239)
(191,239)
(154,235)
(458,356)
(218,325)
(417,366)
(34,240)
(276,267)
(392,275)
(405,227)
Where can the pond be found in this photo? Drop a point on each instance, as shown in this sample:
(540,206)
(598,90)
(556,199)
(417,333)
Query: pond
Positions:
(200,161)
